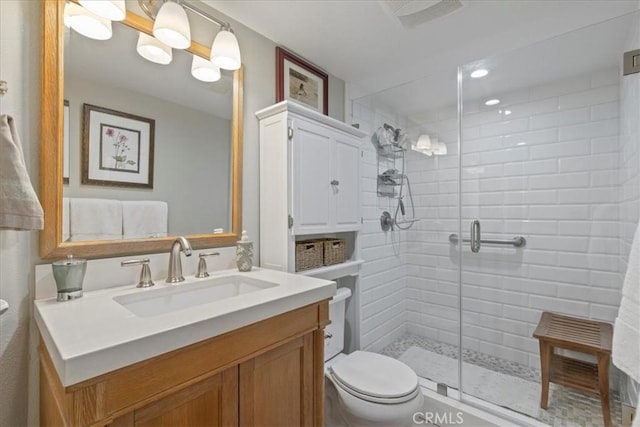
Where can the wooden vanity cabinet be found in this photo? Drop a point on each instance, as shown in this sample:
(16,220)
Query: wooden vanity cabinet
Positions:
(267,373)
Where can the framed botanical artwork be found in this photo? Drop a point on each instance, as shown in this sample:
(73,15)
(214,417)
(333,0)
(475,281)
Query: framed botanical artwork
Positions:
(299,81)
(65,146)
(117,148)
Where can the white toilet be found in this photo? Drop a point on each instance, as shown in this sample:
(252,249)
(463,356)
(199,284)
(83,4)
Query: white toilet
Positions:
(363,388)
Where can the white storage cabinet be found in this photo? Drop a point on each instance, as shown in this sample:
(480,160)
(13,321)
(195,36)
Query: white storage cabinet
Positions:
(309,179)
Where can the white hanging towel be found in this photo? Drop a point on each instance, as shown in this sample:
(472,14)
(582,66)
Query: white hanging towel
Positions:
(144,218)
(20,208)
(95,219)
(626,331)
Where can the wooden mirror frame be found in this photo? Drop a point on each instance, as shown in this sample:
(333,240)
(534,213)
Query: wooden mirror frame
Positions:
(51,141)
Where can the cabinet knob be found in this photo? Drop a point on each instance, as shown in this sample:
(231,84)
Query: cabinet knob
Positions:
(335,182)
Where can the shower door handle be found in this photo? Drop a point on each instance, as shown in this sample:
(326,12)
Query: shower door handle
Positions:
(475,236)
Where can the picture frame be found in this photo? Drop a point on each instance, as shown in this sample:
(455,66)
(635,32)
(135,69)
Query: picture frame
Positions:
(117,148)
(66,142)
(299,81)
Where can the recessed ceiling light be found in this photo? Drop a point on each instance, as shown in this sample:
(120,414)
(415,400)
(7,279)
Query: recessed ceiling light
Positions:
(479,73)
(492,102)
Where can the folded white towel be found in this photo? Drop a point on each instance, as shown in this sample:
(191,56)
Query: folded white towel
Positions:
(95,219)
(20,208)
(626,331)
(144,218)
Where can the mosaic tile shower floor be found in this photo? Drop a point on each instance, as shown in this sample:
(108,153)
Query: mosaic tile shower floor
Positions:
(568,408)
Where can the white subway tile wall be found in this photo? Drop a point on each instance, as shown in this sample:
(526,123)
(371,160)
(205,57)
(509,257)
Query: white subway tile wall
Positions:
(563,170)
(383,276)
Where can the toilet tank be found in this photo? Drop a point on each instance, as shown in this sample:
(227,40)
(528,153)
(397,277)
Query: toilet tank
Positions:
(334,332)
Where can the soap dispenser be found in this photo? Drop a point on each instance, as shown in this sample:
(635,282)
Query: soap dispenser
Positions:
(244,253)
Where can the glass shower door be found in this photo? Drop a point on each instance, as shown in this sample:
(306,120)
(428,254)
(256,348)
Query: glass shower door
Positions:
(547,192)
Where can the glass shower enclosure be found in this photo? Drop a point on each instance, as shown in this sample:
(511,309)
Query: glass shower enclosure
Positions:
(512,194)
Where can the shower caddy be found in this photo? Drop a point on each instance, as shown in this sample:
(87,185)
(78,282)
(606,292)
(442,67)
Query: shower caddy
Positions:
(391,144)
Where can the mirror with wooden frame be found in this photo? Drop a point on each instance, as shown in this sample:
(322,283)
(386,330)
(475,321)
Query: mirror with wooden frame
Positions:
(80,95)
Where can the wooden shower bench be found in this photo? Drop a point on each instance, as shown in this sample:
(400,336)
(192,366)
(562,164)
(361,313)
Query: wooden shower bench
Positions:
(582,335)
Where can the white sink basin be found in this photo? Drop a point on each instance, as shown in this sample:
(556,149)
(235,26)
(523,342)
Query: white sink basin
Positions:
(187,295)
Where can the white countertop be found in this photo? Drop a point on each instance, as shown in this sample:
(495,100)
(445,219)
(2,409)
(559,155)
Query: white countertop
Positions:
(94,334)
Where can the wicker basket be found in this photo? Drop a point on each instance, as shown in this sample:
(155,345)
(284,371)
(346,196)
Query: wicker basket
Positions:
(334,251)
(309,254)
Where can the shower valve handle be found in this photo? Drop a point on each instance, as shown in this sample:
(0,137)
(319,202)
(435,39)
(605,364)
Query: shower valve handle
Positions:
(335,182)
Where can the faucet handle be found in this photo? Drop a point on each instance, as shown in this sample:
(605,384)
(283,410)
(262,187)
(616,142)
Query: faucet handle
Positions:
(145,274)
(202,264)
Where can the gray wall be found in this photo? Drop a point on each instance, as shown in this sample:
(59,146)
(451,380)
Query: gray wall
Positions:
(192,153)
(20,33)
(19,66)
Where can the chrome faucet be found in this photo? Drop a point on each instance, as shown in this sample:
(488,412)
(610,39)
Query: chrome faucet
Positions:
(181,244)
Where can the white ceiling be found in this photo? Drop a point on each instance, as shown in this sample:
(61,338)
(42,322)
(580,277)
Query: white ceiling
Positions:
(360,42)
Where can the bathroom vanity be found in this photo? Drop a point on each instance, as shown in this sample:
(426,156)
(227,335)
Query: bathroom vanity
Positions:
(251,358)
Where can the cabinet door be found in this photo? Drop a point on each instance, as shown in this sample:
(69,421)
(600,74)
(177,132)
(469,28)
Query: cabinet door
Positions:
(347,178)
(277,387)
(312,151)
(211,402)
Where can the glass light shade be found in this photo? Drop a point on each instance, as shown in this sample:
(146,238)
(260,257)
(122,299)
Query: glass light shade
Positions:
(225,52)
(153,50)
(87,23)
(204,70)
(424,142)
(441,149)
(114,10)
(68,8)
(171,26)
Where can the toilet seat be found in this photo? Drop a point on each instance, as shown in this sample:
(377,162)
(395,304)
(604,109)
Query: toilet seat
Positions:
(375,378)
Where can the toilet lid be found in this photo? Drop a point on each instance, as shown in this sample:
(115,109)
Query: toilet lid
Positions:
(375,375)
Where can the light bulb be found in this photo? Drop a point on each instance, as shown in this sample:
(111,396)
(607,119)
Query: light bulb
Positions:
(441,149)
(204,70)
(479,73)
(113,10)
(424,142)
(225,52)
(171,26)
(153,49)
(87,23)
(492,102)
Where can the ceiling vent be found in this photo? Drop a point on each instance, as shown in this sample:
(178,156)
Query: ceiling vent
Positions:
(412,13)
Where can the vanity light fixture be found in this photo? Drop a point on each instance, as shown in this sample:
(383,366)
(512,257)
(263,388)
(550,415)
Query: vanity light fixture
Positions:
(492,102)
(114,10)
(86,22)
(153,49)
(429,146)
(204,70)
(170,30)
(479,73)
(172,20)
